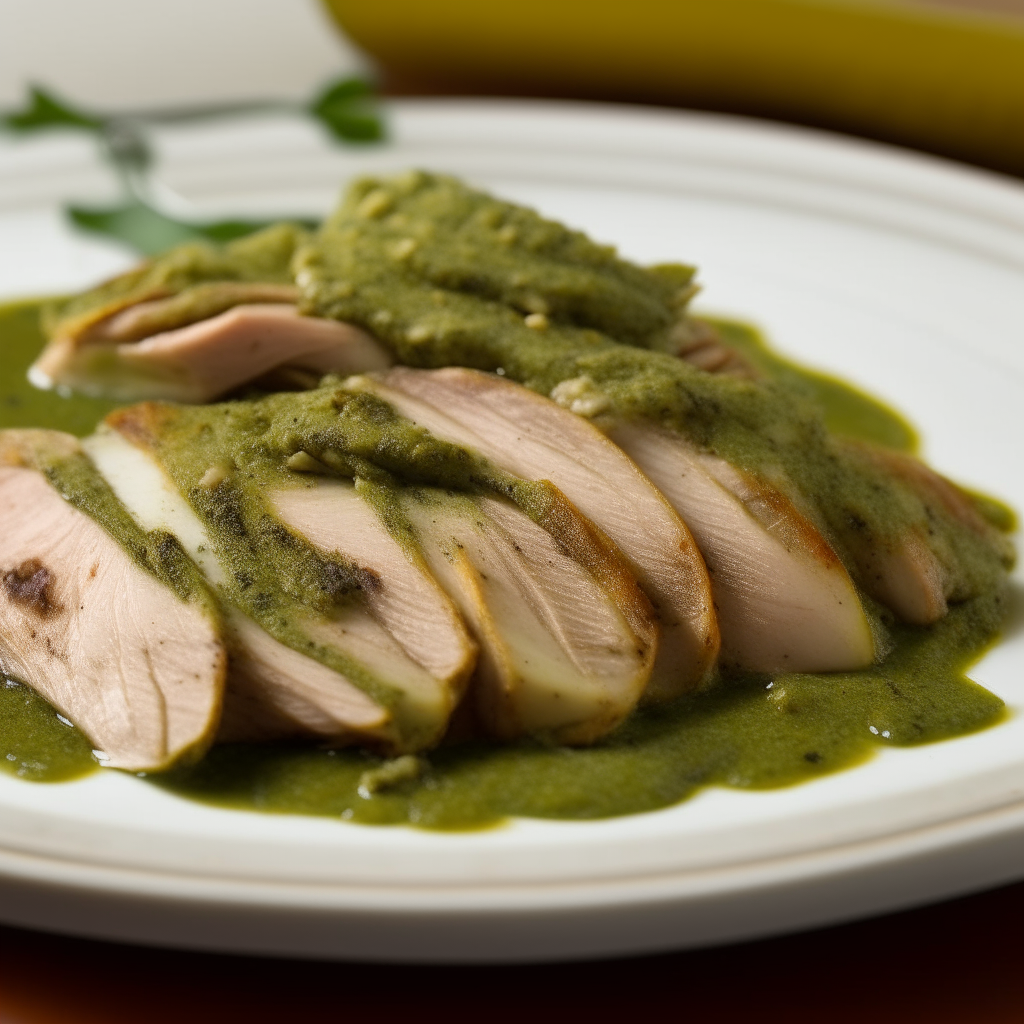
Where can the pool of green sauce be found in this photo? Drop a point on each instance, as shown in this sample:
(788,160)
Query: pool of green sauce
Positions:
(755,732)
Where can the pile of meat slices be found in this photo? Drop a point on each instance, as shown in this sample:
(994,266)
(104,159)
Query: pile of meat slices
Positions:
(658,564)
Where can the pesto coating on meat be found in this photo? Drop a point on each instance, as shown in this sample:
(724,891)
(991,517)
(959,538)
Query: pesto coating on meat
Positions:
(449,276)
(187,272)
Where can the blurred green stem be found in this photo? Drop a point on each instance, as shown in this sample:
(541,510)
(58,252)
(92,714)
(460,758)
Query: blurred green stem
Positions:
(346,108)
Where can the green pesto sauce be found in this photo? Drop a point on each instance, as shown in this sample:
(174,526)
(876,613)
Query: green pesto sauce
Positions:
(755,732)
(847,412)
(34,743)
(445,275)
(21,404)
(275,575)
(80,484)
(262,257)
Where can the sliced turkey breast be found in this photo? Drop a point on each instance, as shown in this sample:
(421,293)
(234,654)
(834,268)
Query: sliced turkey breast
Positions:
(336,517)
(904,574)
(281,690)
(198,302)
(784,600)
(920,568)
(563,654)
(275,692)
(202,360)
(529,435)
(137,667)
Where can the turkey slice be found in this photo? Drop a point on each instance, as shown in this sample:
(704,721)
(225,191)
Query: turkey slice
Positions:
(423,664)
(904,571)
(138,668)
(529,435)
(199,361)
(784,600)
(562,653)
(272,690)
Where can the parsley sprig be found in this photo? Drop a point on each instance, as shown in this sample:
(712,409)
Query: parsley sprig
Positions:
(346,108)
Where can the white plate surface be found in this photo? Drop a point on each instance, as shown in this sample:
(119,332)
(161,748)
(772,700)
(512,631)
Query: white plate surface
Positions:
(903,274)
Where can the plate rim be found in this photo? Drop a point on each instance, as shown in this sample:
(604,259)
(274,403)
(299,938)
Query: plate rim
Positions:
(989,194)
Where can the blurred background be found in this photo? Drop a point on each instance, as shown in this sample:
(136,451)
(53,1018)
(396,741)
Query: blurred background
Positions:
(945,76)
(127,54)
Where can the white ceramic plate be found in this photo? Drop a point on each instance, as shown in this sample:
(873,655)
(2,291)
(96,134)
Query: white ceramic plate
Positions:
(901,273)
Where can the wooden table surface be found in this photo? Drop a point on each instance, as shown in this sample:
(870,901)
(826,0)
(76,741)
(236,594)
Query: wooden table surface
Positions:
(961,961)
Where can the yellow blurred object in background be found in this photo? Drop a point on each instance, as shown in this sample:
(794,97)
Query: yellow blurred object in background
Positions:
(945,76)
